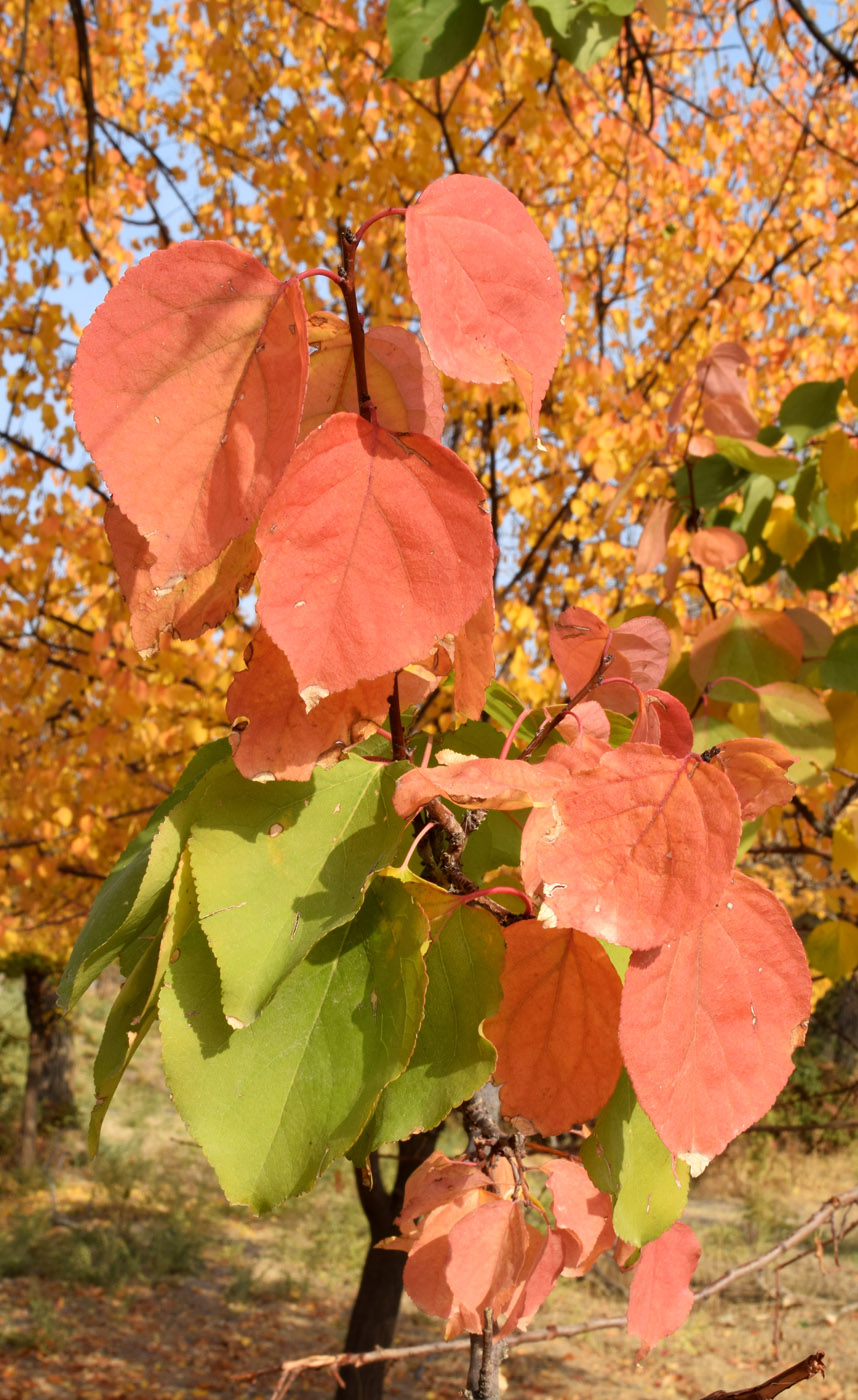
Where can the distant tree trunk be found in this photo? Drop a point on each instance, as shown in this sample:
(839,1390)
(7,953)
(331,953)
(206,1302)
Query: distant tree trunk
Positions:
(376,1307)
(48,1095)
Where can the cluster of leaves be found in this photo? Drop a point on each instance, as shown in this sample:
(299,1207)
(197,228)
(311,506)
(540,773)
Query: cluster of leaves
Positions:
(772,514)
(317,995)
(429,37)
(698,186)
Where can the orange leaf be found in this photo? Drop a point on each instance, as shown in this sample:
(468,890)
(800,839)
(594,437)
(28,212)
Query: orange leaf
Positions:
(633,849)
(501,784)
(188,389)
(274,736)
(556,1030)
(402,381)
(474,656)
(485,281)
(757,769)
(709,1021)
(717,547)
(436,1182)
(373,548)
(652,545)
(578,641)
(487,1255)
(660,1298)
(200,602)
(541,1269)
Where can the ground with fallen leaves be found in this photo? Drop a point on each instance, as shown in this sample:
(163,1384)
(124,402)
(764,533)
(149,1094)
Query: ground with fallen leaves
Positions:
(131,1277)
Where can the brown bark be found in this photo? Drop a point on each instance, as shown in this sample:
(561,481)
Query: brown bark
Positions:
(48,1095)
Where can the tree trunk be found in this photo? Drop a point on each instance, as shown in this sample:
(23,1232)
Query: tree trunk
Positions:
(376,1307)
(48,1095)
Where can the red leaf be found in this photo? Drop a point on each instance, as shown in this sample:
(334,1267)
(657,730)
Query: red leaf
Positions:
(403,383)
(485,281)
(717,547)
(474,655)
(488,1251)
(582,1213)
(730,415)
(587,721)
(373,548)
(717,372)
(541,1269)
(556,1030)
(501,784)
(274,736)
(756,768)
(200,602)
(640,649)
(633,849)
(664,720)
(424,1276)
(660,1298)
(188,389)
(578,641)
(709,1020)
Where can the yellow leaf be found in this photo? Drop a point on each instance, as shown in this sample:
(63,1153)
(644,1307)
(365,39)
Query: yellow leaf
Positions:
(838,465)
(842,705)
(844,842)
(783,533)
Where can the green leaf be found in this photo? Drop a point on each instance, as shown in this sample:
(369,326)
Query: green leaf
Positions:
(274,1104)
(625,1156)
(819,566)
(832,949)
(451,1059)
(621,728)
(580,33)
(714,478)
(133,900)
(750,832)
(278,865)
(804,490)
(810,409)
(777,468)
(135,1009)
(770,435)
(839,670)
(759,494)
(429,37)
(712,730)
(798,719)
(125,1029)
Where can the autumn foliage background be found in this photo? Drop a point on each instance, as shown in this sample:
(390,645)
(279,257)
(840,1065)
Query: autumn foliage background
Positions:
(702,195)
(697,188)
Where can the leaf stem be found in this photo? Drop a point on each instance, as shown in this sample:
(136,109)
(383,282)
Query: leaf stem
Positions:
(317,272)
(349,243)
(395,211)
(397,734)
